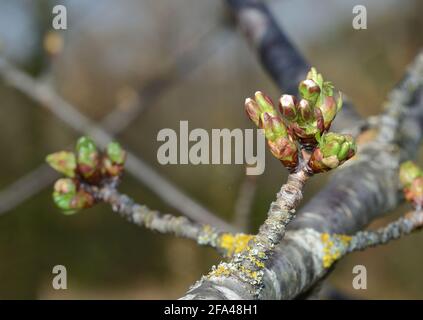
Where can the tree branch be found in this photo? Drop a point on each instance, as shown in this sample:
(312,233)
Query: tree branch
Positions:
(226,243)
(47,97)
(360,191)
(278,56)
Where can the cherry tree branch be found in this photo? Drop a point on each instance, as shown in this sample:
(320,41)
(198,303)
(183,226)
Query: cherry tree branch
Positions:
(346,205)
(225,243)
(47,97)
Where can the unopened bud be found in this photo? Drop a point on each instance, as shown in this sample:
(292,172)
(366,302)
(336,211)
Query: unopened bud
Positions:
(309,90)
(87,157)
(287,107)
(409,171)
(63,162)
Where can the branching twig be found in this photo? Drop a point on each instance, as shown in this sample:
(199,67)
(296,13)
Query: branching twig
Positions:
(68,114)
(226,243)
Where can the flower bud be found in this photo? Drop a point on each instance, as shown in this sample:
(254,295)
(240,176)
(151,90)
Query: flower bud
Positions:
(309,90)
(68,198)
(87,157)
(65,186)
(63,162)
(265,103)
(273,127)
(280,143)
(287,107)
(113,160)
(409,171)
(329,109)
(333,150)
(253,110)
(285,150)
(115,153)
(306,111)
(414,192)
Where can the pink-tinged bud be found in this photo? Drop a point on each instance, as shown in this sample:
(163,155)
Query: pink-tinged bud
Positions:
(253,110)
(309,90)
(266,124)
(285,150)
(65,185)
(88,157)
(63,162)
(111,168)
(306,111)
(320,123)
(287,107)
(82,200)
(414,192)
(68,198)
(329,110)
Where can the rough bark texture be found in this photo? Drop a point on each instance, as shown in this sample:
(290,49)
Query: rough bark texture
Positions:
(363,189)
(277,54)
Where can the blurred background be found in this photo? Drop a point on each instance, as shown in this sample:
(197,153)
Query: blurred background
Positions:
(179,60)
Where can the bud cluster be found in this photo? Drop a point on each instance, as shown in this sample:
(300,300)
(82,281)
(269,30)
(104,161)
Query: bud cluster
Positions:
(411,178)
(87,165)
(303,125)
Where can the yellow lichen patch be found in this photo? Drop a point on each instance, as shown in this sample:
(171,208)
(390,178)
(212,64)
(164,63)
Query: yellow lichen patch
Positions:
(233,244)
(333,247)
(254,276)
(220,270)
(256,261)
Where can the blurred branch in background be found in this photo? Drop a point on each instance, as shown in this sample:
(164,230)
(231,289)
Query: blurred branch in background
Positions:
(45,95)
(114,123)
(244,202)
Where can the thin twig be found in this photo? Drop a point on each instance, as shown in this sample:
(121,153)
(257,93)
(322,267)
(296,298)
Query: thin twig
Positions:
(226,243)
(359,192)
(47,97)
(116,121)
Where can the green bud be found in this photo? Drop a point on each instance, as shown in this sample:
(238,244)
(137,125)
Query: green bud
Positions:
(63,202)
(273,127)
(333,150)
(110,168)
(265,103)
(87,157)
(116,153)
(82,200)
(68,198)
(287,107)
(309,90)
(63,162)
(409,171)
(65,186)
(64,191)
